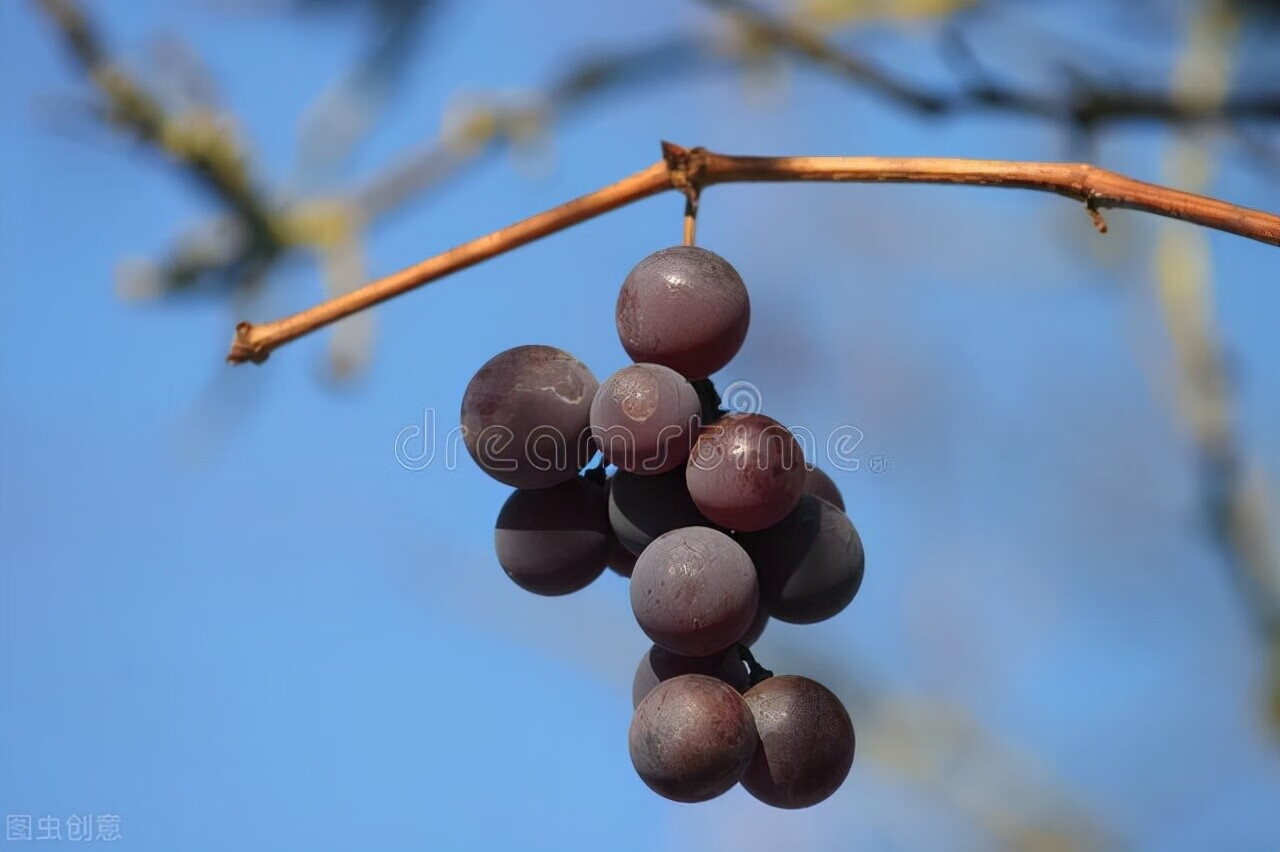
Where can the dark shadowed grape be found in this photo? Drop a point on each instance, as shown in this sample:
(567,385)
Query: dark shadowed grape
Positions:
(806,742)
(694,591)
(621,561)
(810,565)
(525,416)
(746,471)
(641,508)
(644,417)
(659,664)
(758,625)
(819,484)
(691,738)
(553,541)
(686,308)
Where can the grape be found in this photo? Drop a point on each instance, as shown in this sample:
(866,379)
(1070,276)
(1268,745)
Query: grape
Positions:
(658,664)
(757,626)
(694,591)
(641,508)
(746,472)
(810,565)
(621,561)
(806,742)
(819,484)
(643,418)
(685,308)
(553,541)
(525,416)
(691,738)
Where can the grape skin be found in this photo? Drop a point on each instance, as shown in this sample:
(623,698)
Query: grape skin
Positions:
(806,742)
(658,665)
(692,738)
(810,565)
(819,484)
(683,307)
(553,541)
(746,472)
(621,561)
(526,416)
(643,418)
(641,508)
(694,591)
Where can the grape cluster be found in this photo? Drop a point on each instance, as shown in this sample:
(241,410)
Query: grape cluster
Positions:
(717,519)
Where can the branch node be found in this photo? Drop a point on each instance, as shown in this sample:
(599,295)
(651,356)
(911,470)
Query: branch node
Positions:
(243,349)
(686,168)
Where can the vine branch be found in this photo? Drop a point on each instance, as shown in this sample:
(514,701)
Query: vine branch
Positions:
(691,170)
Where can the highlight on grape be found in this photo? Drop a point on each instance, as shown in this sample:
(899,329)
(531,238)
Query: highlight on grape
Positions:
(714,512)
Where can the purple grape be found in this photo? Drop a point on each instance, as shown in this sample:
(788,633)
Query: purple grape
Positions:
(806,742)
(644,417)
(691,738)
(552,541)
(746,472)
(526,414)
(758,625)
(621,561)
(683,307)
(658,664)
(694,591)
(641,508)
(819,484)
(810,565)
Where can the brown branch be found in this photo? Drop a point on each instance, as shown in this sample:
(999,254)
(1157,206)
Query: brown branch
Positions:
(686,170)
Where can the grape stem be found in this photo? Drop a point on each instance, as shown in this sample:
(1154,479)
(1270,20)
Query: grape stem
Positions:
(712,410)
(755,671)
(691,217)
(691,170)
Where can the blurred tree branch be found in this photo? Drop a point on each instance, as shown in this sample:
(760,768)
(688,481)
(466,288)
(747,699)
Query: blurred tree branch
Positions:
(1234,493)
(197,140)
(1087,106)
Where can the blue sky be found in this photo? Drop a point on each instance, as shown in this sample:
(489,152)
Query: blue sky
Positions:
(231,617)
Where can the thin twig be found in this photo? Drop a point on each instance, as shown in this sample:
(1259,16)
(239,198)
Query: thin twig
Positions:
(683,169)
(691,219)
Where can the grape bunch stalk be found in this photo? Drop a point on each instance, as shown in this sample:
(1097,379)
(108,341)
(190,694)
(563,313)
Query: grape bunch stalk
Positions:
(717,519)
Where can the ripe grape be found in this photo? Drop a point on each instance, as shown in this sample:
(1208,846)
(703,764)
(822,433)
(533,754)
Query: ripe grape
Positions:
(810,565)
(694,591)
(553,541)
(691,738)
(658,664)
(758,625)
(683,307)
(643,418)
(819,484)
(746,471)
(641,508)
(621,561)
(525,416)
(806,742)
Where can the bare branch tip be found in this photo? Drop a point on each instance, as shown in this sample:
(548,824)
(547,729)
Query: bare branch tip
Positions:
(243,349)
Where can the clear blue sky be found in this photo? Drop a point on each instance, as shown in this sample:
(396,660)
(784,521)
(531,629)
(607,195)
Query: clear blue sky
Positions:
(279,638)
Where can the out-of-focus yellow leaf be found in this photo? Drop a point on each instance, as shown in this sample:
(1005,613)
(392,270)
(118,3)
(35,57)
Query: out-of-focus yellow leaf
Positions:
(849,11)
